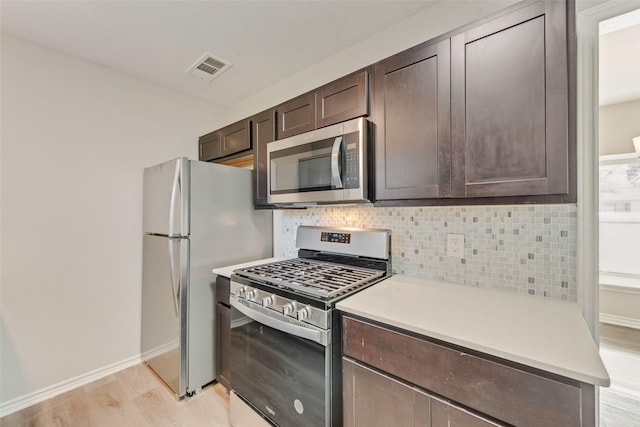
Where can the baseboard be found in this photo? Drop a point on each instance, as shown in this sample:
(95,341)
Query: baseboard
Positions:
(22,402)
(620,321)
(150,354)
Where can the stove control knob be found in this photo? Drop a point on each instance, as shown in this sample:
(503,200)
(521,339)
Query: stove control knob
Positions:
(240,292)
(287,309)
(303,313)
(250,295)
(267,301)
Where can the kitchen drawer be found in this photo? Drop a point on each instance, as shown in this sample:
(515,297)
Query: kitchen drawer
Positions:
(499,390)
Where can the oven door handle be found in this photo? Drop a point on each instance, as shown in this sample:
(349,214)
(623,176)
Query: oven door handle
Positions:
(320,337)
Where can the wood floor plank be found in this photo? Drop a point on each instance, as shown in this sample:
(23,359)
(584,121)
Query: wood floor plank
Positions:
(136,396)
(620,352)
(131,397)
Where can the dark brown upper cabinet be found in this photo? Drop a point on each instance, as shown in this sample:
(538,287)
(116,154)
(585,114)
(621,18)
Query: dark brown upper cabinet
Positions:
(209,146)
(235,138)
(296,116)
(509,104)
(263,132)
(335,102)
(225,143)
(343,99)
(411,106)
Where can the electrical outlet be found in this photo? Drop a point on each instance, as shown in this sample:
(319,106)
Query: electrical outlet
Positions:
(455,245)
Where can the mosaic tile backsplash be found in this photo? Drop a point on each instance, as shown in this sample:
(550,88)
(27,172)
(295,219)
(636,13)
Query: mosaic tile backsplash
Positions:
(524,248)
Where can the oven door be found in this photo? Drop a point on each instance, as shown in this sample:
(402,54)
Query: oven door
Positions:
(279,366)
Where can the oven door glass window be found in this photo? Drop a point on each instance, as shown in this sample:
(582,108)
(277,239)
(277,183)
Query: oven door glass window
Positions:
(282,375)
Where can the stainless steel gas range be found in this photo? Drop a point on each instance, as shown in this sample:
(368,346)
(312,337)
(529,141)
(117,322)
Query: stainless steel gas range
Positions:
(285,331)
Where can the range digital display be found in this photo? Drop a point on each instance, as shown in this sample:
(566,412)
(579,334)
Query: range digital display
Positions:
(335,237)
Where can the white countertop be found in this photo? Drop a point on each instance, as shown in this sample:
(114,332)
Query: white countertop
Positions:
(226,271)
(546,334)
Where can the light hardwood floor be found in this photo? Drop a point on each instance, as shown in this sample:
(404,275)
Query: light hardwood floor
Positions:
(132,397)
(620,352)
(136,397)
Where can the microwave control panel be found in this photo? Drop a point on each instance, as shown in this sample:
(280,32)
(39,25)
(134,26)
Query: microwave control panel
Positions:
(352,162)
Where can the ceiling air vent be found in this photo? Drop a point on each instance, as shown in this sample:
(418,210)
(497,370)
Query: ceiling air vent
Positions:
(208,67)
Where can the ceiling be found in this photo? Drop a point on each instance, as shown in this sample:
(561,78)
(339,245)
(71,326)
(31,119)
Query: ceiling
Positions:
(620,59)
(266,41)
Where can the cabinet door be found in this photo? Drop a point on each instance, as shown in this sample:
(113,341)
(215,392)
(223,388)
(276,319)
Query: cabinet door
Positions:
(296,116)
(223,289)
(343,99)
(509,104)
(223,344)
(445,415)
(235,138)
(264,132)
(508,393)
(372,399)
(413,139)
(209,146)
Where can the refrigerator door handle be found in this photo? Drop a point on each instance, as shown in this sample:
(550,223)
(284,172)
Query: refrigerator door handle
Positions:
(175,193)
(175,293)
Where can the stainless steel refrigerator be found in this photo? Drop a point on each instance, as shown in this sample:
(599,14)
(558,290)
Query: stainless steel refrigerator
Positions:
(196,216)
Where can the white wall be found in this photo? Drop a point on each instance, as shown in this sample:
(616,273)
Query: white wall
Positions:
(618,124)
(75,138)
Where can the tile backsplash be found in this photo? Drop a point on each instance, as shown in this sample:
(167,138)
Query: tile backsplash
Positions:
(524,248)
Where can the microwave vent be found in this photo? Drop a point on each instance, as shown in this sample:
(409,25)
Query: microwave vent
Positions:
(207,67)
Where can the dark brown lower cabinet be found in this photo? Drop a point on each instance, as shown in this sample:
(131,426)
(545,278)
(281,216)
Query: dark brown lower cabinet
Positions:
(444,414)
(374,399)
(493,390)
(223,332)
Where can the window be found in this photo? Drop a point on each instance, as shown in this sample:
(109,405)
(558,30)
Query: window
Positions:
(620,215)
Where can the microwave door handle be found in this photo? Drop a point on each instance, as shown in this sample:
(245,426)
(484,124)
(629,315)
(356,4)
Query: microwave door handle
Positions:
(336,171)
(319,337)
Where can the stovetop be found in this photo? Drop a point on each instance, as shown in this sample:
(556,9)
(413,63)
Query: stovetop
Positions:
(313,278)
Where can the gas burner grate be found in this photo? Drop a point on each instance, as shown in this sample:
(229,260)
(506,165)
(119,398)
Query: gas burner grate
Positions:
(314,278)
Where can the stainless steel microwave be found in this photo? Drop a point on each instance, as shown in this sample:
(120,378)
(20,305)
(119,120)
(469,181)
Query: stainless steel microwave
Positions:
(327,165)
